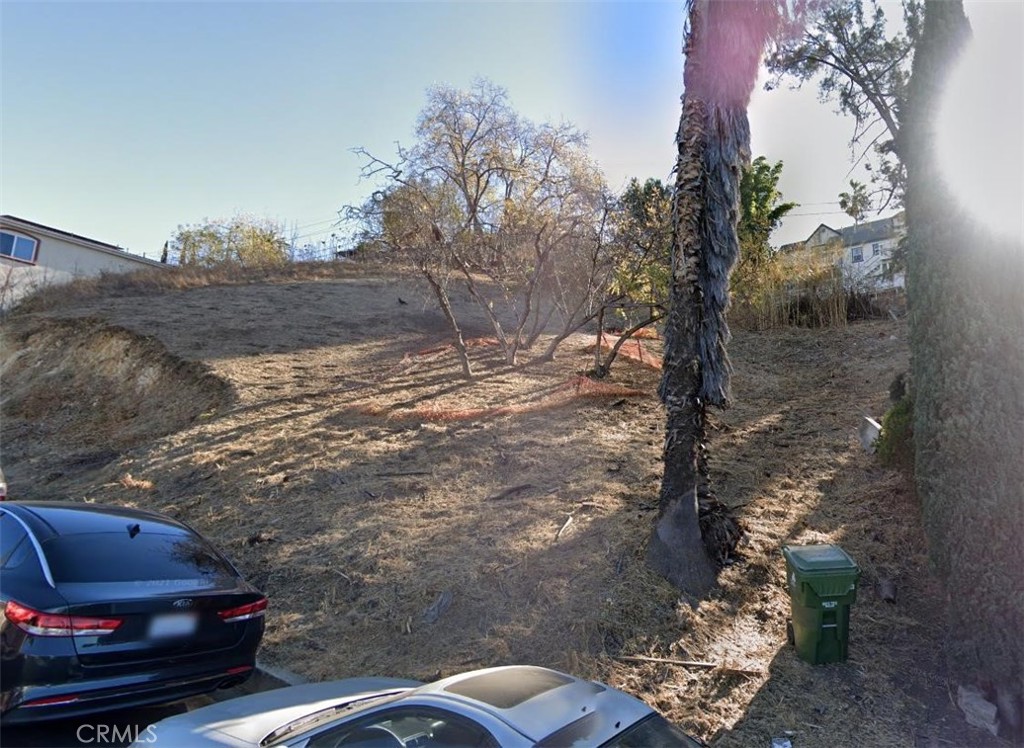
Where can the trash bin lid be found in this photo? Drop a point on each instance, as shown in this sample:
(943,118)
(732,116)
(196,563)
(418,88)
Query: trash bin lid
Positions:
(812,558)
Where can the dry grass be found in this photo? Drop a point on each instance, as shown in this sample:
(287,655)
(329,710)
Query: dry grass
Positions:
(182,278)
(357,483)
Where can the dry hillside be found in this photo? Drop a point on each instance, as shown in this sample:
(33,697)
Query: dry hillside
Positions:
(406,522)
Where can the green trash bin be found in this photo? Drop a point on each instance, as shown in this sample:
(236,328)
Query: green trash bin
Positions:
(822,587)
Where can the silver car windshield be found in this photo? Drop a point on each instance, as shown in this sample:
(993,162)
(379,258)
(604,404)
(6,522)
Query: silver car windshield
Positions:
(318,718)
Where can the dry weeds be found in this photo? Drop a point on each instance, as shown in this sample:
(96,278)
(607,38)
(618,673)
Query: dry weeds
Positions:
(358,480)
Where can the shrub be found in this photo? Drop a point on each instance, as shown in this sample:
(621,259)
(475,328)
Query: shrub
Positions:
(895,445)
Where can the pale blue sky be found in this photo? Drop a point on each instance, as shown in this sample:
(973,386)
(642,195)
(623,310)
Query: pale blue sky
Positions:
(121,121)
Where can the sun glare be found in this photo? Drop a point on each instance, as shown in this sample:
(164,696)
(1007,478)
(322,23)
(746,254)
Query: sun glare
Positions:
(980,132)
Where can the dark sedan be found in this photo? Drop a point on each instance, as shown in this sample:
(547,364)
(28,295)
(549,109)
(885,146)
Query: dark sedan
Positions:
(106,607)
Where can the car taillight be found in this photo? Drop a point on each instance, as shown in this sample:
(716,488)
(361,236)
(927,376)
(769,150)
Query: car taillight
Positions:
(51,701)
(38,623)
(244,612)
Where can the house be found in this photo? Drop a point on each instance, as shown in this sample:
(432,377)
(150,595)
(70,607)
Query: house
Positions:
(863,251)
(33,255)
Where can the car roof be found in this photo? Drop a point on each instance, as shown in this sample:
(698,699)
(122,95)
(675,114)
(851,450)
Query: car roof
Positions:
(534,701)
(50,519)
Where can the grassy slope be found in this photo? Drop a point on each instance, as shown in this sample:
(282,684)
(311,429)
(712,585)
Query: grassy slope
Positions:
(339,478)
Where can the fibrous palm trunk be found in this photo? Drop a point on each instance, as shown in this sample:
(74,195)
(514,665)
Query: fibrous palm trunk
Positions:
(723,50)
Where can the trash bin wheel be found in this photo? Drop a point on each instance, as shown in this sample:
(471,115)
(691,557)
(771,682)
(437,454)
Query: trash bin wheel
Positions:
(790,636)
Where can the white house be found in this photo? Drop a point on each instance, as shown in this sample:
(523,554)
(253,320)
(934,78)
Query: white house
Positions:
(866,251)
(34,255)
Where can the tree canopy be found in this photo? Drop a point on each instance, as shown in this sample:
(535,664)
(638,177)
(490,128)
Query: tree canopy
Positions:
(243,240)
(861,61)
(761,209)
(856,203)
(510,209)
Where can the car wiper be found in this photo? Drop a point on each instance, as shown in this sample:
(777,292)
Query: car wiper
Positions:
(322,715)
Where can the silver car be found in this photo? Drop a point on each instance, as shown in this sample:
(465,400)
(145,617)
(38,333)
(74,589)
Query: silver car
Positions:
(511,707)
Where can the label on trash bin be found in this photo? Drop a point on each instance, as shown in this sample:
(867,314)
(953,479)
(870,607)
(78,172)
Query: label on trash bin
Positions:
(829,604)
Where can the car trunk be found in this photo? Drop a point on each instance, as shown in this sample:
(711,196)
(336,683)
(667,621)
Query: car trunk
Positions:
(175,624)
(165,587)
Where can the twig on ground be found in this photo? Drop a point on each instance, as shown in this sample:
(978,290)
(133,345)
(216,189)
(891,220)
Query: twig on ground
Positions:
(689,663)
(564,528)
(665,661)
(511,491)
(404,472)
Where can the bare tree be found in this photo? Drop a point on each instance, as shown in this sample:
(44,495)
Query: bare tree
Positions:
(504,207)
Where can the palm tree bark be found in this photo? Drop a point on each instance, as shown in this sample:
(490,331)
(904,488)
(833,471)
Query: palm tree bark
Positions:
(723,52)
(675,549)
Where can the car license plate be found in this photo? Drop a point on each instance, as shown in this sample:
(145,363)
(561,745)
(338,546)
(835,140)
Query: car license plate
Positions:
(171,625)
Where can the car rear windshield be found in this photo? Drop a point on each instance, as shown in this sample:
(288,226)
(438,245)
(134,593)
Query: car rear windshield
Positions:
(119,557)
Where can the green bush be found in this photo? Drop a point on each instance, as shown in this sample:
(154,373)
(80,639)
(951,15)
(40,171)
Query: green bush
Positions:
(895,445)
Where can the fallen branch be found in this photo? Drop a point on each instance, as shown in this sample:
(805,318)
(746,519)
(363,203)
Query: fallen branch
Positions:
(689,663)
(662,660)
(511,491)
(406,472)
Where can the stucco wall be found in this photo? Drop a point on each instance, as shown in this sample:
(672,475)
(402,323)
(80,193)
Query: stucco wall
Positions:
(57,261)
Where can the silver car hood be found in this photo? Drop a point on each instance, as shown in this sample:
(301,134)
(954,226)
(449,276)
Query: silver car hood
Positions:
(245,721)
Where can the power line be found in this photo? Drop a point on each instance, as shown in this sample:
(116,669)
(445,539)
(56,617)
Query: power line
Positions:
(321,232)
(827,213)
(317,223)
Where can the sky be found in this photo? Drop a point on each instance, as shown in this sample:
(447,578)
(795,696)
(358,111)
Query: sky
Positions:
(121,121)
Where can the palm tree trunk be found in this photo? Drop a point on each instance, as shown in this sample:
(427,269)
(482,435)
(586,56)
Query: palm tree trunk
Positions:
(723,51)
(675,550)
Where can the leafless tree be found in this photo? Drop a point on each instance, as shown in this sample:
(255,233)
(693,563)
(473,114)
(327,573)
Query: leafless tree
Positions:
(511,211)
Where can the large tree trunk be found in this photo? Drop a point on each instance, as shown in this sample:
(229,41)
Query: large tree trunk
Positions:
(967,364)
(723,50)
(675,549)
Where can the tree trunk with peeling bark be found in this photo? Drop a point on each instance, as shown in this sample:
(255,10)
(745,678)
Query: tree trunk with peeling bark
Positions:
(676,550)
(723,51)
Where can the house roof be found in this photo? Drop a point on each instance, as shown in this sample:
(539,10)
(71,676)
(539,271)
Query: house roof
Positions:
(27,225)
(823,226)
(872,231)
(860,233)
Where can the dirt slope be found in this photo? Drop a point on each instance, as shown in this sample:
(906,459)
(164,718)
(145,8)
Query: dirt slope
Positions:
(404,522)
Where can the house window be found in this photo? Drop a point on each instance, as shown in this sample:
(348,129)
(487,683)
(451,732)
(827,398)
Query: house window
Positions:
(18,247)
(857,254)
(876,249)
